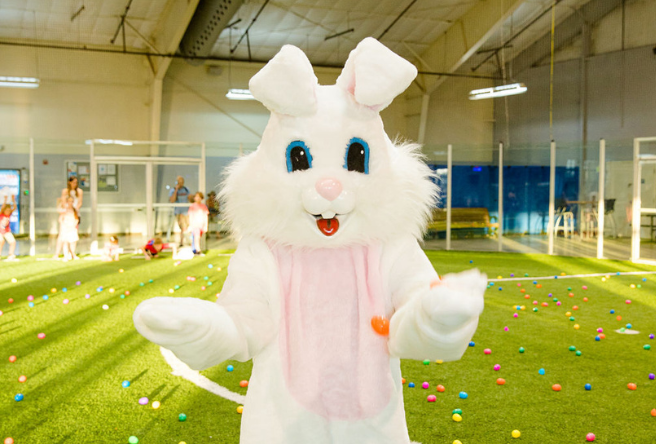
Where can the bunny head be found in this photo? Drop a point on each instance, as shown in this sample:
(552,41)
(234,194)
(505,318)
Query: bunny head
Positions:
(325,173)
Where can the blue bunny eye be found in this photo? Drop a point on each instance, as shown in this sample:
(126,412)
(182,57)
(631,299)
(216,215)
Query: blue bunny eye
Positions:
(357,156)
(298,157)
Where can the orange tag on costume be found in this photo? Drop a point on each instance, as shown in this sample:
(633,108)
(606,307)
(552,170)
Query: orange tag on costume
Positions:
(380,324)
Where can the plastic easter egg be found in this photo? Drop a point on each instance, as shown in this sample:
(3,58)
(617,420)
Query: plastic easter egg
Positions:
(19,397)
(53,290)
(652,376)
(78,283)
(133,440)
(576,326)
(105,307)
(240,409)
(647,347)
(588,387)
(631,386)
(230,368)
(578,353)
(111,290)
(125,384)
(628,301)
(30,298)
(41,336)
(458,411)
(653,412)
(431,398)
(65,301)
(556,387)
(156,404)
(472,344)
(380,324)
(411,385)
(12,358)
(11,441)
(487,351)
(521,349)
(651,336)
(572,348)
(590,437)
(629,326)
(516,434)
(87,296)
(585,299)
(497,367)
(22,378)
(426,361)
(182,417)
(243,383)
(143,401)
(150,281)
(457,441)
(612,312)
(45,297)
(597,338)
(463,395)
(541,371)
(425,385)
(456,417)
(506,329)
(501,381)
(440,388)
(515,315)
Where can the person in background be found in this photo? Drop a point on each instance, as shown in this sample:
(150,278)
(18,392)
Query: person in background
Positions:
(155,246)
(5,228)
(198,213)
(180,194)
(111,251)
(215,209)
(71,191)
(69,221)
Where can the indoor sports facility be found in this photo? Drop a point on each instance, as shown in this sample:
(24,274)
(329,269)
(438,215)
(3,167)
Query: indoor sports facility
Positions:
(337,165)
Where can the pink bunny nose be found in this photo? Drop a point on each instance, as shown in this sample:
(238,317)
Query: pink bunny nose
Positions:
(329,189)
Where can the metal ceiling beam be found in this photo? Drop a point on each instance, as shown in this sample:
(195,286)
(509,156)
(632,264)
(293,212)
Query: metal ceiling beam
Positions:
(466,36)
(566,32)
(169,31)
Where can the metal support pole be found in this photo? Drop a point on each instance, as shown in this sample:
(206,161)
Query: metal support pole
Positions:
(500,232)
(150,228)
(423,118)
(202,170)
(552,197)
(449,170)
(637,206)
(32,199)
(601,210)
(94,197)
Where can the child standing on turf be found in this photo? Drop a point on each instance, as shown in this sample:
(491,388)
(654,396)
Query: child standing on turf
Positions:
(198,214)
(5,228)
(111,250)
(155,246)
(68,223)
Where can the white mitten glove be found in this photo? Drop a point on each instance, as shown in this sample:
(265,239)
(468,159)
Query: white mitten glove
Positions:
(200,333)
(439,322)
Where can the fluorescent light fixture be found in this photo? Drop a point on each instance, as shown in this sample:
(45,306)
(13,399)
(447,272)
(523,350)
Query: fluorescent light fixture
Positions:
(110,142)
(498,91)
(239,94)
(19,82)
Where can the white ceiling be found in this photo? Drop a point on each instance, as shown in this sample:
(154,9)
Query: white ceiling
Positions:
(304,23)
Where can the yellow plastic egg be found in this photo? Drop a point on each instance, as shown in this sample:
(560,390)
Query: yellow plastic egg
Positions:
(569,313)
(456,417)
(516,434)
(439,361)
(156,404)
(576,326)
(240,409)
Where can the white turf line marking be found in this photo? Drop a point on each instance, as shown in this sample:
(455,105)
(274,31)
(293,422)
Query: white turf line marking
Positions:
(181,369)
(610,273)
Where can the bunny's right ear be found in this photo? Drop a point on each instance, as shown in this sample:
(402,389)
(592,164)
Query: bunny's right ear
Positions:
(287,84)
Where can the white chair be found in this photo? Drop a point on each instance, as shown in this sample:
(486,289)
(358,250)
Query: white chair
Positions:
(564,222)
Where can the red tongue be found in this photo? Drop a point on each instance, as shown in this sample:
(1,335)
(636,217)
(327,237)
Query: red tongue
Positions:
(328,226)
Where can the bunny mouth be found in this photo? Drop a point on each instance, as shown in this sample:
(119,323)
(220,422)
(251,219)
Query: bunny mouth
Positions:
(328,226)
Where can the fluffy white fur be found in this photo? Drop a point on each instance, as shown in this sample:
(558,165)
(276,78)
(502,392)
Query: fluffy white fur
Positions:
(286,277)
(262,199)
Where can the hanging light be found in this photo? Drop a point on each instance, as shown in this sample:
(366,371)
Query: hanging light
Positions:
(239,94)
(498,91)
(19,82)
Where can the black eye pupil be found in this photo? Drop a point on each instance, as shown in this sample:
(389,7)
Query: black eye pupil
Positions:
(299,159)
(355,160)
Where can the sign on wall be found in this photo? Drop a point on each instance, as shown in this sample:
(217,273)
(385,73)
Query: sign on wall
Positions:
(107,175)
(10,186)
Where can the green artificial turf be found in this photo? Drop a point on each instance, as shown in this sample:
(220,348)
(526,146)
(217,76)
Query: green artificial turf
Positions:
(73,392)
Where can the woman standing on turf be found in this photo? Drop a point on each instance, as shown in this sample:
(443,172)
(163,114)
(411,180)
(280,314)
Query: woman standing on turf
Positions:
(5,228)
(74,192)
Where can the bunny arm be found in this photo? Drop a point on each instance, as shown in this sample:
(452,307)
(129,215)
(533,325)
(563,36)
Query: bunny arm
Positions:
(203,333)
(430,323)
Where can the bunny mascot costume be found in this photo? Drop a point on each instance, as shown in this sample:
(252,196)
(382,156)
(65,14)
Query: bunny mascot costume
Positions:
(328,211)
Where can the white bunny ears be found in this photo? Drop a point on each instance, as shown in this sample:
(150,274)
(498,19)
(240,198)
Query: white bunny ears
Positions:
(373,74)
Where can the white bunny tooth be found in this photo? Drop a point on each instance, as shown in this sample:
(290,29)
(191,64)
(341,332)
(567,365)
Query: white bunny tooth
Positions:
(328,214)
(313,202)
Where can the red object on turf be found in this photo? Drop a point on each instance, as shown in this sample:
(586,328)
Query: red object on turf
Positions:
(440,388)
(631,386)
(501,381)
(556,387)
(243,383)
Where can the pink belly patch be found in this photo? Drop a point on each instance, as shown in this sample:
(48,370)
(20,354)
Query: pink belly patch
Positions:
(334,363)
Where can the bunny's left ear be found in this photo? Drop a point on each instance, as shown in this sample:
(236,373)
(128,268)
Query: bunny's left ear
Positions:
(375,75)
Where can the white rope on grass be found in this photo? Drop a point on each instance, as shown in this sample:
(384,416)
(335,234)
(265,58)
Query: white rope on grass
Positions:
(181,369)
(574,276)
